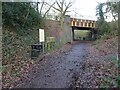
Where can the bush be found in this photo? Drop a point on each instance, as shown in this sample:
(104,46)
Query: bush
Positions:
(106,28)
(20,30)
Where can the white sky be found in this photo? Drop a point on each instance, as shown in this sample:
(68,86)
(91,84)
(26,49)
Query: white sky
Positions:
(85,9)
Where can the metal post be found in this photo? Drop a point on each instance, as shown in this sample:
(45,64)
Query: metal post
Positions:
(43,47)
(42,43)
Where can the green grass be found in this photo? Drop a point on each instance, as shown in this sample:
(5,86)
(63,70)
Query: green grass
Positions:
(80,34)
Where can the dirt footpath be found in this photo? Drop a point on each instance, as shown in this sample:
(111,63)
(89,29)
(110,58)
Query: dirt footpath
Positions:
(56,71)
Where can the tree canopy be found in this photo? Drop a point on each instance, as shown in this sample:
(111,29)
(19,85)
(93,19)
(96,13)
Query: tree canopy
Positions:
(103,26)
(20,15)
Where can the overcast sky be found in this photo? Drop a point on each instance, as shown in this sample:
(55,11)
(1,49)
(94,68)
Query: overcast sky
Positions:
(85,9)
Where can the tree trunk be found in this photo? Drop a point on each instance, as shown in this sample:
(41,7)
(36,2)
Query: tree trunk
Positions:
(62,21)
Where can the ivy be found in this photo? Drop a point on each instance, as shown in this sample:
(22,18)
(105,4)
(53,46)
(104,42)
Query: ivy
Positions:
(21,16)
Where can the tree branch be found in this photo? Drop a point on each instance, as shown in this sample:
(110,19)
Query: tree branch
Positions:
(26,17)
(41,7)
(48,10)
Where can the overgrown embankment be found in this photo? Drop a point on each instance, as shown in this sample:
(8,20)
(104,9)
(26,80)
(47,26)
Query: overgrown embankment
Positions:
(20,30)
(100,69)
(16,53)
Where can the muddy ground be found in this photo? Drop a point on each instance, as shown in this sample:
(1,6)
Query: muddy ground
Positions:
(82,64)
(56,70)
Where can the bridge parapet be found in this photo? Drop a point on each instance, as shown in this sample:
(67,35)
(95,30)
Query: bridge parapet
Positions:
(83,23)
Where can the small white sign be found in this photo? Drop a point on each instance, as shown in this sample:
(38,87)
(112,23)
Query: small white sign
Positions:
(41,35)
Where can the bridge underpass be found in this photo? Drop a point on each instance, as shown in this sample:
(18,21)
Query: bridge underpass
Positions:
(83,33)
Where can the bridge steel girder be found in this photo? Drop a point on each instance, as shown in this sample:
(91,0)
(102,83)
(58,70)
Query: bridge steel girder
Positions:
(83,23)
(83,28)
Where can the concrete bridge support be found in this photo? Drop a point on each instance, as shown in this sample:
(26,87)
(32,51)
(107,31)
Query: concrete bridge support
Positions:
(68,30)
(93,34)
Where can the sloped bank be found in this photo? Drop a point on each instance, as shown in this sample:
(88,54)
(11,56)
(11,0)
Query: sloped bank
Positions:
(100,69)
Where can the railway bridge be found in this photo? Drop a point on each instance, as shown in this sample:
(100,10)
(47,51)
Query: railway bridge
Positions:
(83,24)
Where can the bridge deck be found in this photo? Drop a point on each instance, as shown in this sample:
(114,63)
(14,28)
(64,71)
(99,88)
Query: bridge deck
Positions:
(83,23)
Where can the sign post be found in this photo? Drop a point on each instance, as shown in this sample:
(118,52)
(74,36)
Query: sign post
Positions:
(42,37)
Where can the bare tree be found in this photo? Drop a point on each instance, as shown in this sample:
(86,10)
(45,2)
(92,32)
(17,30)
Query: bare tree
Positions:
(41,8)
(113,9)
(62,7)
(48,9)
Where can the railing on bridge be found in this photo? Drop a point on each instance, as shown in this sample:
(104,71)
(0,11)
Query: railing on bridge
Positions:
(83,23)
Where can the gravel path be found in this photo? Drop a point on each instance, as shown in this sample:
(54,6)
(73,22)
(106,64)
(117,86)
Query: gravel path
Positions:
(56,71)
